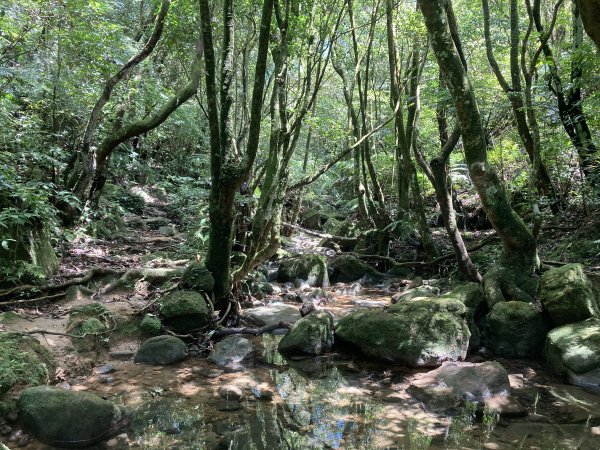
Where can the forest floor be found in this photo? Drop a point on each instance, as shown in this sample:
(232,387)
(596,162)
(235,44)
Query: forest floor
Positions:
(334,401)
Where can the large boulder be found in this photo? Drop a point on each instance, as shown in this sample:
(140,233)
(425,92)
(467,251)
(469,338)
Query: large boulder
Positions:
(161,350)
(184,311)
(516,329)
(24,362)
(62,418)
(231,352)
(348,268)
(453,382)
(196,277)
(567,295)
(272,314)
(309,268)
(422,332)
(312,335)
(573,353)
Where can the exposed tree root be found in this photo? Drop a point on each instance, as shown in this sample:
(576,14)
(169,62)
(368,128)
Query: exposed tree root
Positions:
(158,275)
(88,276)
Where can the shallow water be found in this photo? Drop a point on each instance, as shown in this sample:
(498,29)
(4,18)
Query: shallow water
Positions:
(336,401)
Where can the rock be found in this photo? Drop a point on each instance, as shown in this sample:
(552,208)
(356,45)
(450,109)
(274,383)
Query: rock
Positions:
(262,391)
(421,332)
(196,277)
(231,352)
(307,307)
(167,230)
(67,418)
(272,314)
(516,330)
(231,392)
(573,353)
(368,242)
(91,321)
(312,335)
(309,268)
(454,382)
(184,311)
(23,361)
(419,291)
(207,372)
(161,350)
(348,268)
(155,223)
(473,296)
(150,325)
(567,295)
(313,220)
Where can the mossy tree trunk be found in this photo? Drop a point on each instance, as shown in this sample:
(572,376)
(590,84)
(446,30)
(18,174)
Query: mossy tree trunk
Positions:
(229,169)
(519,256)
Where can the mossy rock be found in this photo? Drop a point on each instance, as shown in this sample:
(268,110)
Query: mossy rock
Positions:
(423,332)
(516,330)
(150,325)
(91,322)
(63,418)
(309,268)
(23,361)
(184,311)
(368,242)
(311,335)
(348,268)
(196,277)
(473,296)
(572,352)
(161,350)
(567,295)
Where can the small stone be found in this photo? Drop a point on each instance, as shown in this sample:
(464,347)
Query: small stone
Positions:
(230,392)
(207,372)
(263,392)
(105,379)
(229,406)
(106,368)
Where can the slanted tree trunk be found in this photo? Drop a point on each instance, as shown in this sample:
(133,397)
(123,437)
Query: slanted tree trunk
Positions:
(519,256)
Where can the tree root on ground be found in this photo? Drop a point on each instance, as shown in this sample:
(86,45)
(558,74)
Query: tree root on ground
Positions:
(253,331)
(153,275)
(506,284)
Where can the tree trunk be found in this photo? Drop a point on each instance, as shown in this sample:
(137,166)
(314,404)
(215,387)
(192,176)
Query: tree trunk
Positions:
(519,256)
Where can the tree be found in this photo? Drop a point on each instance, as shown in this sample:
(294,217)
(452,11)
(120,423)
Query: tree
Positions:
(228,168)
(519,257)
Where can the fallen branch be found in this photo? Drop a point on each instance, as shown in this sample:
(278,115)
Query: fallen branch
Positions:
(254,331)
(321,235)
(433,262)
(157,293)
(33,300)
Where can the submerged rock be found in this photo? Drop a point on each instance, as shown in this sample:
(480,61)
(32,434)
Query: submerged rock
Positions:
(567,295)
(231,352)
(419,332)
(573,353)
(310,268)
(161,350)
(419,291)
(516,330)
(454,382)
(348,268)
(64,418)
(272,314)
(184,311)
(312,335)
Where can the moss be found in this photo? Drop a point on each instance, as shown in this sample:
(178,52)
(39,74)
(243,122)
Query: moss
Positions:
(309,268)
(197,278)
(23,361)
(150,325)
(90,321)
(8,317)
(184,310)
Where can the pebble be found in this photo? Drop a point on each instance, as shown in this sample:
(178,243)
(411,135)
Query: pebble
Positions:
(105,379)
(230,392)
(207,372)
(106,368)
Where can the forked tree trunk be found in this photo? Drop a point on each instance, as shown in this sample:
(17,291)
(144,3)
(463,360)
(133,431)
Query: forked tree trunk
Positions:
(519,257)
